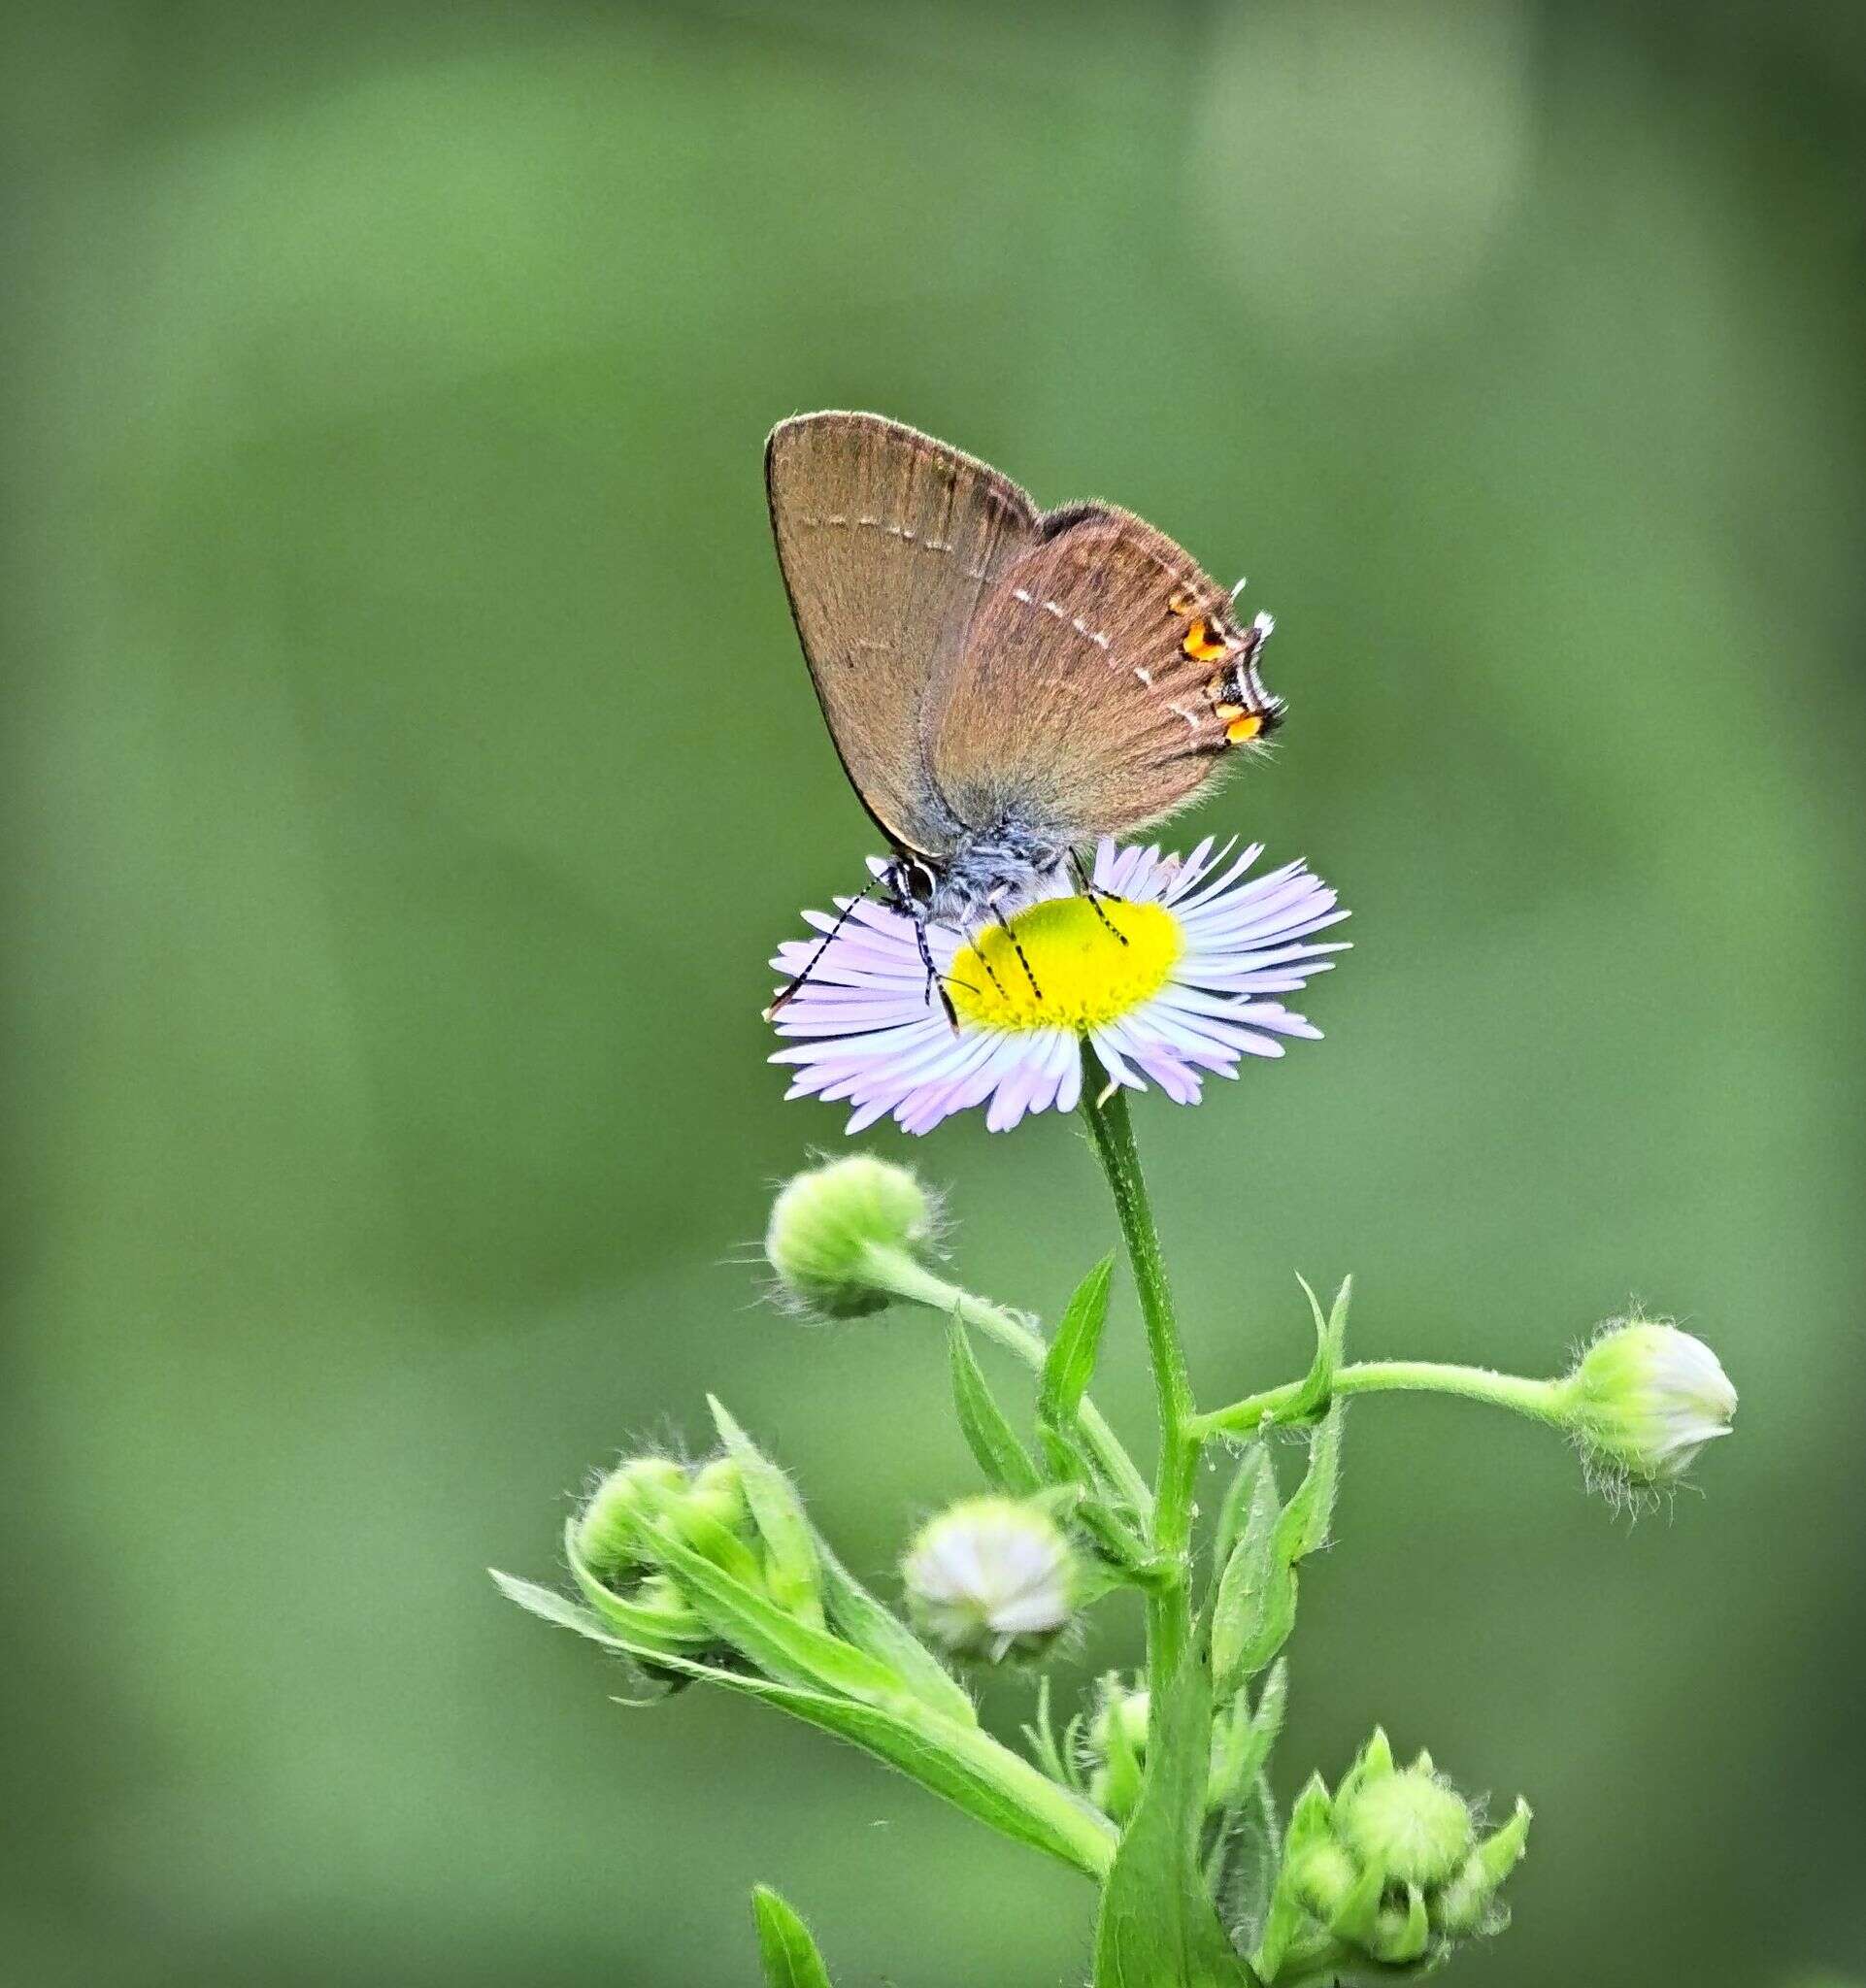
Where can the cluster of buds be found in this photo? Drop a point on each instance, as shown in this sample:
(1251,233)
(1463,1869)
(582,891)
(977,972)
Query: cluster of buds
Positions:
(703,1507)
(992,1577)
(1390,1870)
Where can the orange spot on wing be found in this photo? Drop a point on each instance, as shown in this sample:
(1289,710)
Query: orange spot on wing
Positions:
(1240,731)
(1204,643)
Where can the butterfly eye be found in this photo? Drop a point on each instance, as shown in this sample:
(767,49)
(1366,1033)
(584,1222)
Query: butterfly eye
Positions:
(911,880)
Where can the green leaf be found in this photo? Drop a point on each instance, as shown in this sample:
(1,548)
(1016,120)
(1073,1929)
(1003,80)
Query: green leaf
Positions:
(776,1642)
(1304,1526)
(1331,1335)
(1256,1604)
(1158,1926)
(1251,1858)
(790,1541)
(1040,1735)
(1071,1360)
(1251,1588)
(1240,1494)
(1242,1740)
(955,1761)
(560,1610)
(784,1946)
(879,1631)
(993,1441)
(960,1764)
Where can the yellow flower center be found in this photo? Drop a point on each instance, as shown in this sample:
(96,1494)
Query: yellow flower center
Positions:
(1084,975)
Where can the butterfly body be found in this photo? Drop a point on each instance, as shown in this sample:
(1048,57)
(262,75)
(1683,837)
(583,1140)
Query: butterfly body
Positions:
(1004,686)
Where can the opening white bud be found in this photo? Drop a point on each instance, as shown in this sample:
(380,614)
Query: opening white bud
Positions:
(837,1230)
(1644,1399)
(990,1578)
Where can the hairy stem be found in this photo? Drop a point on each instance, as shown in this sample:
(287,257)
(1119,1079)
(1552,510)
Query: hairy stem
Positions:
(1169,1612)
(1542,1401)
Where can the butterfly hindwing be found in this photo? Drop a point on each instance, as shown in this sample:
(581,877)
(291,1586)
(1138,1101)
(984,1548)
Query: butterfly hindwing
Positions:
(889,542)
(1083,693)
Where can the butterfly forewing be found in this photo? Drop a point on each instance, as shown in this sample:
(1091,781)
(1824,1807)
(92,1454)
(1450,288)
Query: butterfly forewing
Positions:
(889,540)
(1082,692)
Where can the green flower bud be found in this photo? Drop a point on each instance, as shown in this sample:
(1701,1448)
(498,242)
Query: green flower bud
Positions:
(608,1535)
(1391,1867)
(1644,1399)
(833,1229)
(662,1598)
(718,1493)
(991,1576)
(1116,1746)
(1410,1823)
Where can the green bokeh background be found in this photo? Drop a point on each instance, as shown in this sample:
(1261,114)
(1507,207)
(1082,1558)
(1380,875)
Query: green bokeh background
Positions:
(409,766)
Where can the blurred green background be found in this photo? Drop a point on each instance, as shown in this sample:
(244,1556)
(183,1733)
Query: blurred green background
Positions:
(409,767)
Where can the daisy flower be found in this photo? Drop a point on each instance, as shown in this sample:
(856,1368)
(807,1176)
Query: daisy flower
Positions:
(1185,989)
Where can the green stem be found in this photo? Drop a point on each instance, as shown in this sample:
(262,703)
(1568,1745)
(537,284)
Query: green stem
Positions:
(1542,1401)
(895,1271)
(1168,1610)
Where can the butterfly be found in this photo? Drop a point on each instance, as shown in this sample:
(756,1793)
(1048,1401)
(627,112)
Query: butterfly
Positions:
(1003,685)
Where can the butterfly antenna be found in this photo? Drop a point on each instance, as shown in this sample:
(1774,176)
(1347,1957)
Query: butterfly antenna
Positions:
(828,939)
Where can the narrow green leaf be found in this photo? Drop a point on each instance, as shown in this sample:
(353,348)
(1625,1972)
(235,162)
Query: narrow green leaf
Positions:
(1071,1360)
(1331,1335)
(784,1946)
(1255,1464)
(961,1763)
(641,1630)
(1158,1926)
(775,1640)
(1266,1722)
(992,1440)
(1041,1736)
(1251,1851)
(1242,1740)
(1304,1526)
(879,1631)
(1248,1587)
(560,1610)
(790,1541)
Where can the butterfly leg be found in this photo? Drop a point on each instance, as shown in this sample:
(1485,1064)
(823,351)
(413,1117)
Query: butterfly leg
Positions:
(810,965)
(1095,894)
(1016,947)
(934,978)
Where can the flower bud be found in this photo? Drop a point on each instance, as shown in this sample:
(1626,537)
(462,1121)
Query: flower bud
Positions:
(832,1228)
(608,1535)
(990,1577)
(718,1493)
(1116,1746)
(1644,1399)
(1392,1866)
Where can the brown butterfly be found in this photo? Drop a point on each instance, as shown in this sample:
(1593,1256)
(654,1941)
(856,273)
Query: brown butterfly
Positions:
(1003,685)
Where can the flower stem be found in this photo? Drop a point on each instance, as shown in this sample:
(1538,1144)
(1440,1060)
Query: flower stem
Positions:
(895,1271)
(1542,1401)
(1168,1614)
